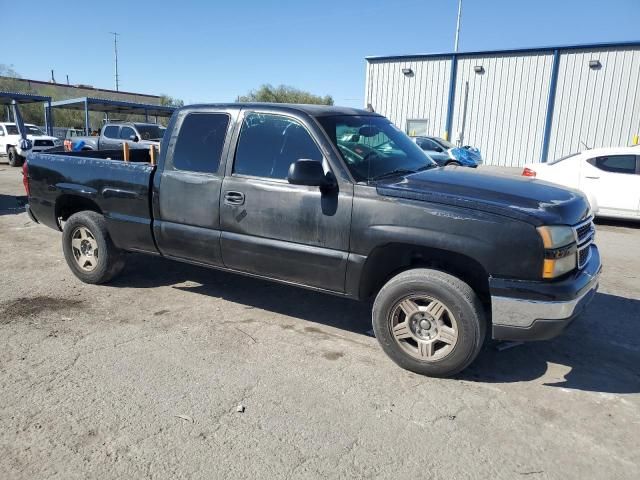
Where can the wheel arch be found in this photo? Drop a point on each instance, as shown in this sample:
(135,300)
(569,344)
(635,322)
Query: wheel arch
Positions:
(69,204)
(389,260)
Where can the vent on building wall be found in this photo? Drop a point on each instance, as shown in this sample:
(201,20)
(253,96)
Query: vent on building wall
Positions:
(407,72)
(479,69)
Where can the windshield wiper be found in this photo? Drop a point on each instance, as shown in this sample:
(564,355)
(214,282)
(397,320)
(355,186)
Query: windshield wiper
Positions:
(397,171)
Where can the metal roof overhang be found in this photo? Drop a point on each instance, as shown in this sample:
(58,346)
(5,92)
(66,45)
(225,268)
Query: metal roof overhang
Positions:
(585,46)
(114,106)
(7,97)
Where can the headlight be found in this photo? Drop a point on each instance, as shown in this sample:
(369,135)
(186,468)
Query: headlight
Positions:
(559,250)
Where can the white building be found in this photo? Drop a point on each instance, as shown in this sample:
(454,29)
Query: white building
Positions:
(516,106)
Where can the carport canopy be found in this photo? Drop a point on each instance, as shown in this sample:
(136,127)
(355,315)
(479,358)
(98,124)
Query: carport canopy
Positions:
(112,106)
(7,98)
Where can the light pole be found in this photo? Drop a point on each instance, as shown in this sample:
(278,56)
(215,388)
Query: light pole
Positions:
(455,45)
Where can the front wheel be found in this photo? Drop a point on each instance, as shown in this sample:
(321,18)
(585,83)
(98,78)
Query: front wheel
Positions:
(429,322)
(15,160)
(453,163)
(88,249)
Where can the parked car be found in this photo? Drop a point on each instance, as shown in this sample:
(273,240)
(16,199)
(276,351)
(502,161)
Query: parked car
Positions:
(281,192)
(446,153)
(10,145)
(609,177)
(113,135)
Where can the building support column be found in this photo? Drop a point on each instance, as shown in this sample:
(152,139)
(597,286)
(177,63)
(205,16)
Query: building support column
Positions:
(452,96)
(548,124)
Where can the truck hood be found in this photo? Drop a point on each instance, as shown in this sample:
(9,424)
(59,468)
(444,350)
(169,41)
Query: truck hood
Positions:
(41,137)
(521,198)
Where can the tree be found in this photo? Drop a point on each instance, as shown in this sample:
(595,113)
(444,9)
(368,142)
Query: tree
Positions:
(284,94)
(168,101)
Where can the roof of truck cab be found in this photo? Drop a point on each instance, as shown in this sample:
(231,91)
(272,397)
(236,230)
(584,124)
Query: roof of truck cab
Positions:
(313,110)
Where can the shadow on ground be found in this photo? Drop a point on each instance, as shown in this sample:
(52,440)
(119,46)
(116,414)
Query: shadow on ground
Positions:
(12,204)
(600,351)
(612,224)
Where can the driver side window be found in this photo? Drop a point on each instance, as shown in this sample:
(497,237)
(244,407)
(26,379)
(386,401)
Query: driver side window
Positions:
(269,144)
(126,133)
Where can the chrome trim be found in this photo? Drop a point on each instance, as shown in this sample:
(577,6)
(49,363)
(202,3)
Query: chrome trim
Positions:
(518,312)
(588,245)
(588,221)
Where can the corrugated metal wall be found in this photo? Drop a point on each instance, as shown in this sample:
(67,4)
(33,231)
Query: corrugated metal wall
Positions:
(596,107)
(507,104)
(421,96)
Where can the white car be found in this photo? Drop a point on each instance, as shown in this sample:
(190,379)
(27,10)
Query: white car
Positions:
(10,142)
(609,177)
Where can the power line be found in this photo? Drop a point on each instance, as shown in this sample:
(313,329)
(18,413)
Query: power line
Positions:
(115,51)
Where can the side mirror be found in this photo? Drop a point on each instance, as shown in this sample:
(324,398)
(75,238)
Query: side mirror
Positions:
(133,138)
(311,173)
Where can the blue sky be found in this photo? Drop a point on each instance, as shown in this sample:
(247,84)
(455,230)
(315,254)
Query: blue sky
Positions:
(210,51)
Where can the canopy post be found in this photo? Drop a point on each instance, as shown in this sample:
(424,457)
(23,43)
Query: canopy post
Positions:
(87,125)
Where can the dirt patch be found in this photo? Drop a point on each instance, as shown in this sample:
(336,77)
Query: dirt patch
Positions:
(333,355)
(30,306)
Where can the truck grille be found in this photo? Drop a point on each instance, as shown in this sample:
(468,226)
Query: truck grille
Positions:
(584,232)
(43,143)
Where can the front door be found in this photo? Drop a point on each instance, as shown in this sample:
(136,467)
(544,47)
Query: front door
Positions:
(613,181)
(272,228)
(187,193)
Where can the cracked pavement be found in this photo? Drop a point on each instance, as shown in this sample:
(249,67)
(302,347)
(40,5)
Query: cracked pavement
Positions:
(141,379)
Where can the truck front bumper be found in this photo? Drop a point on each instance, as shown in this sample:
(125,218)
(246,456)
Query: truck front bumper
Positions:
(525,310)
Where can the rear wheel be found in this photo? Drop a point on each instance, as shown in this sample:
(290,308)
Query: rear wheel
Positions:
(429,322)
(453,163)
(88,249)
(15,160)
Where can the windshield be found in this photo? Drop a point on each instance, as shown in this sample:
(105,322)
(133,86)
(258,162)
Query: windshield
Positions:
(31,130)
(35,131)
(150,132)
(374,148)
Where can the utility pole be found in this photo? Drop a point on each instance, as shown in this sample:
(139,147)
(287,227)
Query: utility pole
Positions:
(455,45)
(115,51)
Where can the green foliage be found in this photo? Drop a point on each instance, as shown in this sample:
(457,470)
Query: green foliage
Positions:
(168,101)
(284,94)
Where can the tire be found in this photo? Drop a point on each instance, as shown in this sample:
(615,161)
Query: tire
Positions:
(15,160)
(88,249)
(453,163)
(453,335)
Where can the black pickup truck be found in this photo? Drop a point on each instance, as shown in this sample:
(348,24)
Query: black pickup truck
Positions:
(341,201)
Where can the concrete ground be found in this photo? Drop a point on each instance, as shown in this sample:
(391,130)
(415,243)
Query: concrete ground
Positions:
(142,379)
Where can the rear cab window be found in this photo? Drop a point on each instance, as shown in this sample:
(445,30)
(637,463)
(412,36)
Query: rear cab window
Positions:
(200,142)
(270,143)
(111,131)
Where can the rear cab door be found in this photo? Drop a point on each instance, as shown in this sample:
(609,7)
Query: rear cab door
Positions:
(271,228)
(109,139)
(186,193)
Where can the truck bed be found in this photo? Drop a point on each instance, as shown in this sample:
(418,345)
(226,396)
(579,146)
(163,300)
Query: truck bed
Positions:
(95,180)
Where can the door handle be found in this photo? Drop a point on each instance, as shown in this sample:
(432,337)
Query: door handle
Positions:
(592,178)
(234,198)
